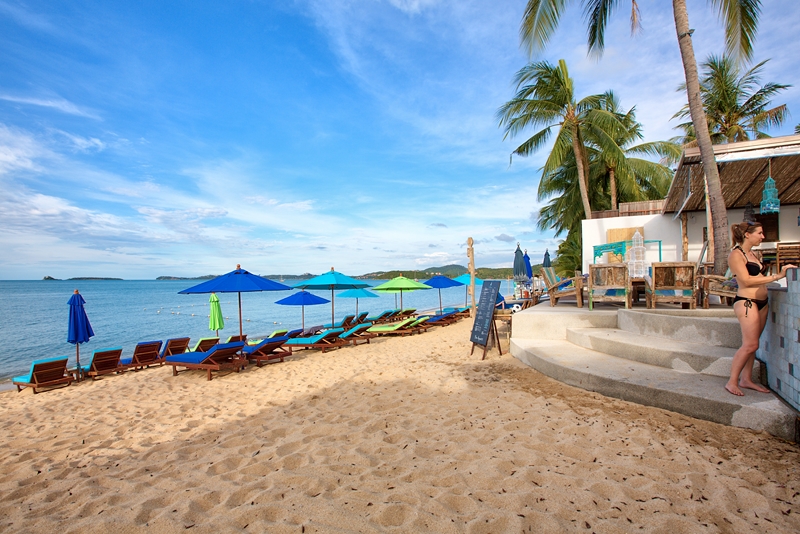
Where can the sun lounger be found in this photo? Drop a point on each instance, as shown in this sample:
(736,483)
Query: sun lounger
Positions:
(44,373)
(269,349)
(295,333)
(382,317)
(103,362)
(145,354)
(444,319)
(219,358)
(360,318)
(311,331)
(176,345)
(358,334)
(205,343)
(416,326)
(391,328)
(328,339)
(404,314)
(237,337)
(278,333)
(345,323)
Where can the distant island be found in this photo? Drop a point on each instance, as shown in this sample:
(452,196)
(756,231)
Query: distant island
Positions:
(82,278)
(204,277)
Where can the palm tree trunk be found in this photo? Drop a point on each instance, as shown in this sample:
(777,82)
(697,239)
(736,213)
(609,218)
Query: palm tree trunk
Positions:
(716,202)
(612,185)
(583,182)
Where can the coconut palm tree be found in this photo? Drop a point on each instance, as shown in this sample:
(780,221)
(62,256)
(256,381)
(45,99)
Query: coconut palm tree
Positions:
(797,129)
(568,256)
(736,105)
(545,97)
(740,17)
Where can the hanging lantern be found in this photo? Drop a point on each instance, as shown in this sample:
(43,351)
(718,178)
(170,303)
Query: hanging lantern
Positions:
(769,199)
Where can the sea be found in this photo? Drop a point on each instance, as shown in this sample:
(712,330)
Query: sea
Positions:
(125,312)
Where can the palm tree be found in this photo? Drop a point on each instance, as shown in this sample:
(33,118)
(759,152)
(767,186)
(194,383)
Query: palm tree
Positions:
(568,256)
(540,22)
(797,129)
(735,104)
(545,97)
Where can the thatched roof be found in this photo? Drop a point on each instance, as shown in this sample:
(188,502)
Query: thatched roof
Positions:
(743,168)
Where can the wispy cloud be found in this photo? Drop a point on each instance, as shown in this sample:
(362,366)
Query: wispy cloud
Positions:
(58,104)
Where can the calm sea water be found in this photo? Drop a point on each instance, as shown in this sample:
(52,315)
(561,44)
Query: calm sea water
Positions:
(123,313)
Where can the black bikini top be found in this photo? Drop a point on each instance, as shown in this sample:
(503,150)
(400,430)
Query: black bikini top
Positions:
(753,268)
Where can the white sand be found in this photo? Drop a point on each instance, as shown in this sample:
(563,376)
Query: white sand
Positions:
(404,435)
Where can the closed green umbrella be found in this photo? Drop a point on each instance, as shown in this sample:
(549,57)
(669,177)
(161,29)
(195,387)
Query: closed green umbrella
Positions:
(400,283)
(215,320)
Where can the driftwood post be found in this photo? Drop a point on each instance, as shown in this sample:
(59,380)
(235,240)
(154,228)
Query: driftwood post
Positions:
(471,267)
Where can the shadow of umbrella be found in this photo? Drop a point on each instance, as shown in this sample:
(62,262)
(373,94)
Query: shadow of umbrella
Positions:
(400,284)
(302,299)
(237,281)
(331,280)
(79,329)
(358,294)
(441,282)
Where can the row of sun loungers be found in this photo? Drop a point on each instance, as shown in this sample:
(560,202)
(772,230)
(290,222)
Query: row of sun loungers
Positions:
(210,355)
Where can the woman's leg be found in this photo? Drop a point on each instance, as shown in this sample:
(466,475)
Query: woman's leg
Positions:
(750,321)
(746,376)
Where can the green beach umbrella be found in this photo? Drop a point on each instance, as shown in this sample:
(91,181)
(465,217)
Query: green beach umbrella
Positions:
(215,321)
(400,284)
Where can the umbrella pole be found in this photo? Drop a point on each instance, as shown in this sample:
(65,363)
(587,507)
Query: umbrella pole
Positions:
(78,360)
(240,315)
(303,317)
(356,307)
(333,321)
(440,302)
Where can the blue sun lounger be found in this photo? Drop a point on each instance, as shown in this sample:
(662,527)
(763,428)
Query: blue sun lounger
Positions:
(176,345)
(45,373)
(145,354)
(218,358)
(269,349)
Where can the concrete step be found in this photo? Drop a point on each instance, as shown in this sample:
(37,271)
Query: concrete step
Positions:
(544,322)
(697,395)
(708,327)
(676,355)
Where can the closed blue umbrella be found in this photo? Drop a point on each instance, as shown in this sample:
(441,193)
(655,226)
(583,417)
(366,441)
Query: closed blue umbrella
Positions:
(546,260)
(527,260)
(331,280)
(237,281)
(360,293)
(302,299)
(79,329)
(520,275)
(441,282)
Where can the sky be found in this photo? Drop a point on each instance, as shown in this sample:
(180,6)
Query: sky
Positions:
(149,138)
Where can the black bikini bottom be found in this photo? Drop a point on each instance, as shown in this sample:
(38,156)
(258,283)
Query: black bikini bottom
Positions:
(748,303)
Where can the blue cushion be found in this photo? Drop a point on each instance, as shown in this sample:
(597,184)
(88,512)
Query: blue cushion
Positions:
(199,357)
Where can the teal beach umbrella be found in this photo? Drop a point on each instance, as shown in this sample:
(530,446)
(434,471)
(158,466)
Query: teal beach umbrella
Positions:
(331,280)
(215,320)
(358,294)
(464,279)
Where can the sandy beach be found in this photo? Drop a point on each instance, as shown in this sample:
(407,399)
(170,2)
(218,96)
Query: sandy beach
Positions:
(405,434)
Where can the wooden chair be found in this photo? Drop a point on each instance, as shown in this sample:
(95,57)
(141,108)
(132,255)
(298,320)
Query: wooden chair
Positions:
(145,354)
(48,372)
(176,345)
(104,362)
(609,283)
(788,253)
(563,287)
(672,282)
(269,349)
(713,284)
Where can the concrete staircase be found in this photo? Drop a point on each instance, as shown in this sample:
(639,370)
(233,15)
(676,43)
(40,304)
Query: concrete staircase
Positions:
(678,360)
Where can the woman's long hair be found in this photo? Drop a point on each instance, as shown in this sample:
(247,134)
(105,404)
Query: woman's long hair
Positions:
(738,231)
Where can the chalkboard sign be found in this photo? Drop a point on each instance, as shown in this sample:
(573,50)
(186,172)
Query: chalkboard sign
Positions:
(485,314)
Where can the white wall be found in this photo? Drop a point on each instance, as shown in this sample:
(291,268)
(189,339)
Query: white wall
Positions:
(669,232)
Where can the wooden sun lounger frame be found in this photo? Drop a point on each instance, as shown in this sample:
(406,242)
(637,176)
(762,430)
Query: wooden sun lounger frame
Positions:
(333,342)
(145,354)
(223,360)
(105,362)
(277,352)
(362,336)
(47,375)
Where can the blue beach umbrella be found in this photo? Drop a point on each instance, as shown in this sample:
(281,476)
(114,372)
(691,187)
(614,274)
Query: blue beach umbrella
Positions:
(358,294)
(465,279)
(302,299)
(441,282)
(237,281)
(79,329)
(331,280)
(527,260)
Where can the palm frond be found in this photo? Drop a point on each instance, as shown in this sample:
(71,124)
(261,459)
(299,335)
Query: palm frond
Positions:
(539,23)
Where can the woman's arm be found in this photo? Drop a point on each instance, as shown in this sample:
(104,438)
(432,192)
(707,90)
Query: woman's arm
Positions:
(738,265)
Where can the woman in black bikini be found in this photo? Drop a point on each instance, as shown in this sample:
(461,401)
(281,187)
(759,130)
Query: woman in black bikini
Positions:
(750,303)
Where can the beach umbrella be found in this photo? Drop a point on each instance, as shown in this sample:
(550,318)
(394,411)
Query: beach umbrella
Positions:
(400,284)
(527,260)
(237,281)
(546,260)
(520,274)
(358,294)
(331,280)
(441,282)
(79,330)
(302,299)
(215,320)
(465,279)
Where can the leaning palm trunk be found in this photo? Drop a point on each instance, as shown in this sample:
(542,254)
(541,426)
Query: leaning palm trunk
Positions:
(612,187)
(580,160)
(719,216)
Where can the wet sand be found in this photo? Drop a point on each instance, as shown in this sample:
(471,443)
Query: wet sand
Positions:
(404,434)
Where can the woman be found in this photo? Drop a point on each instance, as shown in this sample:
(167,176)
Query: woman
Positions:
(750,303)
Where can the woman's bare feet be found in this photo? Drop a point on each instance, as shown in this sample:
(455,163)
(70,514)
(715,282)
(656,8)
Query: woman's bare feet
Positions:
(734,390)
(752,385)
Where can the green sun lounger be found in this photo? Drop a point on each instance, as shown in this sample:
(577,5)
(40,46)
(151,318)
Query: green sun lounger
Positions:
(394,327)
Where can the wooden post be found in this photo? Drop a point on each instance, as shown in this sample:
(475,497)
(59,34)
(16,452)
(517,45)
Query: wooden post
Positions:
(471,268)
(684,237)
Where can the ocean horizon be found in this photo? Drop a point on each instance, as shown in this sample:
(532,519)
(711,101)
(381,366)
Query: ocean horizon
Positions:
(125,312)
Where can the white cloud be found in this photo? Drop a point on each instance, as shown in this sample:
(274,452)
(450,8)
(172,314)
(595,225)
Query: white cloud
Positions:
(58,104)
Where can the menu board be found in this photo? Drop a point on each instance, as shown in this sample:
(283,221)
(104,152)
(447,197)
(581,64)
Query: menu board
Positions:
(485,314)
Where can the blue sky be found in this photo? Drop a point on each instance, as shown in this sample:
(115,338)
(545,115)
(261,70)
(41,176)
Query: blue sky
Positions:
(147,138)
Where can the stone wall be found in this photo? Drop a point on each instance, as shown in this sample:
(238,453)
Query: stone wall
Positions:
(780,342)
